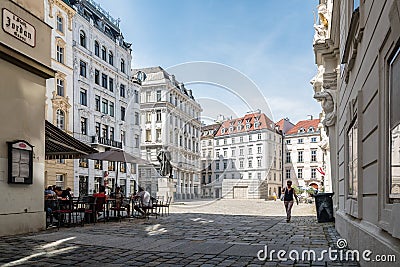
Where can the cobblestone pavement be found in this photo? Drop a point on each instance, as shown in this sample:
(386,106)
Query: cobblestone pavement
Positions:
(188,237)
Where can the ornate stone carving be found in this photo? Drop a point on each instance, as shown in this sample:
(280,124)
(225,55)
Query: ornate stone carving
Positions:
(327,98)
(321,29)
(318,80)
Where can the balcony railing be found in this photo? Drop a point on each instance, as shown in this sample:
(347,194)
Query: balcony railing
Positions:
(106,142)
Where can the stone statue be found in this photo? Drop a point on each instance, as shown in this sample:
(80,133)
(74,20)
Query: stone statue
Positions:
(321,29)
(318,80)
(328,105)
(164,157)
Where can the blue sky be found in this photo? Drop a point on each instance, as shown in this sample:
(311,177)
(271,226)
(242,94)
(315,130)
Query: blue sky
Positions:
(269,41)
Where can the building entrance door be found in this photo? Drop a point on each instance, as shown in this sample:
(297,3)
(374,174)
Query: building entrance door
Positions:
(240,192)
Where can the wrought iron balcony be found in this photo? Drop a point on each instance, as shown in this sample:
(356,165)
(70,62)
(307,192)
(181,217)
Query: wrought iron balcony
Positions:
(106,142)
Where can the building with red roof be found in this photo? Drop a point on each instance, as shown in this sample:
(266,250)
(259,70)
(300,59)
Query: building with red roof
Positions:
(246,158)
(303,157)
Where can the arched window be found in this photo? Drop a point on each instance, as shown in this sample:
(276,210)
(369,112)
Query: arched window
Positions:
(96,48)
(122,65)
(60,119)
(104,53)
(83,39)
(110,58)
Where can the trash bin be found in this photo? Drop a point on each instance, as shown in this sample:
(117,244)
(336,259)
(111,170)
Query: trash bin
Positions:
(324,207)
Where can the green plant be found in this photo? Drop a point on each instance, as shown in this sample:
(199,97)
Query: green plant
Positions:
(298,190)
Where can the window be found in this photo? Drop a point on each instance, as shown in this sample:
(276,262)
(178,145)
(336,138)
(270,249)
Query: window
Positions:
(122,113)
(136,140)
(96,48)
(158,135)
(148,135)
(313,155)
(158,95)
(225,153)
(83,97)
(60,180)
(250,137)
(82,39)
(83,125)
(300,173)
(103,53)
(111,84)
(394,125)
(233,152)
(60,54)
(217,165)
(97,128)
(313,139)
(313,173)
(136,94)
(112,133)
(148,117)
(250,163)
(82,68)
(225,141)
(225,165)
(110,58)
(158,115)
(104,79)
(104,131)
(250,175)
(241,164)
(97,102)
(111,109)
(288,141)
(288,158)
(60,87)
(233,140)
(352,158)
(137,118)
(250,150)
(217,177)
(217,153)
(241,139)
(259,136)
(60,117)
(300,156)
(123,134)
(84,163)
(60,23)
(97,77)
(122,65)
(122,90)
(259,150)
(259,162)
(98,164)
(287,173)
(300,141)
(104,106)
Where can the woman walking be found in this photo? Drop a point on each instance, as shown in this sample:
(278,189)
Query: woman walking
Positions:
(289,193)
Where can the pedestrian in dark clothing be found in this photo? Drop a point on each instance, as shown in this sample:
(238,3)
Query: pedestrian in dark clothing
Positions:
(289,193)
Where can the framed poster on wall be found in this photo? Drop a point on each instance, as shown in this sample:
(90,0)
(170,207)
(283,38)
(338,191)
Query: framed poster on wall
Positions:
(20,162)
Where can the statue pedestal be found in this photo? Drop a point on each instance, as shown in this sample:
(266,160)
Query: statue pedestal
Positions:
(166,187)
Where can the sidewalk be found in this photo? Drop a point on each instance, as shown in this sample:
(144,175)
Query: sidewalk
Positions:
(182,239)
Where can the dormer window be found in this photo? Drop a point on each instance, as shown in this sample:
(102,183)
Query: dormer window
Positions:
(311,129)
(257,118)
(247,120)
(301,130)
(248,125)
(256,124)
(223,130)
(231,129)
(239,127)
(239,121)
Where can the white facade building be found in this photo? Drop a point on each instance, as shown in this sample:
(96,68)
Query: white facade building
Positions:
(59,15)
(303,157)
(170,120)
(106,101)
(208,183)
(246,163)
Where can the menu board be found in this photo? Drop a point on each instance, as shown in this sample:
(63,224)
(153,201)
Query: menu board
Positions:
(20,162)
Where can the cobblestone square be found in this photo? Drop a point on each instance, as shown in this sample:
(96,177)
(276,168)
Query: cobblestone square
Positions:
(196,233)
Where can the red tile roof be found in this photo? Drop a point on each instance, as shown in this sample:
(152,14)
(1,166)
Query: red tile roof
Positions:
(284,125)
(239,125)
(305,125)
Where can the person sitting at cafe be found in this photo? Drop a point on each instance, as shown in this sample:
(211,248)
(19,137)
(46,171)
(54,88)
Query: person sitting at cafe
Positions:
(49,193)
(120,201)
(101,193)
(144,201)
(62,194)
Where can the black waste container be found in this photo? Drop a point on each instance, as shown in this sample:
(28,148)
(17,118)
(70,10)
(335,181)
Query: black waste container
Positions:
(324,206)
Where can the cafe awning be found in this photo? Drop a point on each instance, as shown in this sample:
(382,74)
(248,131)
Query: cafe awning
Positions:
(60,145)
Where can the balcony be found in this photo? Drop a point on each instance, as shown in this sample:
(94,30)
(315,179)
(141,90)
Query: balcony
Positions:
(106,142)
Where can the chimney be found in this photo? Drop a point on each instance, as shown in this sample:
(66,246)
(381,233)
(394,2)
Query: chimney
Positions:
(310,117)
